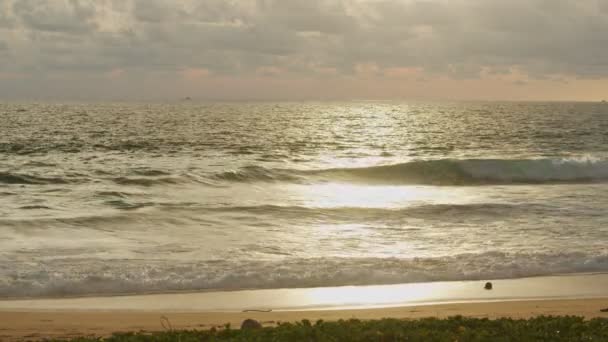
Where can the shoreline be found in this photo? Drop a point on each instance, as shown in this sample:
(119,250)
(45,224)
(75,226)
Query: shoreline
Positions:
(231,290)
(574,286)
(35,319)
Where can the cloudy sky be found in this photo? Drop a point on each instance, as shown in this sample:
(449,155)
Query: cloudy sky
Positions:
(304,49)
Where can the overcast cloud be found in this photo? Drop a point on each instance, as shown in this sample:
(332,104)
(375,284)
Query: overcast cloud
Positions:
(224,47)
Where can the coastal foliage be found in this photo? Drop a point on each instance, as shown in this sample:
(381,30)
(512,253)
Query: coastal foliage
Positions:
(452,329)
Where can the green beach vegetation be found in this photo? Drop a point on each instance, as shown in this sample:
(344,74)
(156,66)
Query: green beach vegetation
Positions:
(452,329)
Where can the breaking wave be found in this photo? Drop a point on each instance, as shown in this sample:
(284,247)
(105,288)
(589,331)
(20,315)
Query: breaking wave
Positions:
(448,172)
(67,278)
(441,172)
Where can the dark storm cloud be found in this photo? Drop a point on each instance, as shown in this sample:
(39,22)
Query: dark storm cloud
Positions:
(454,38)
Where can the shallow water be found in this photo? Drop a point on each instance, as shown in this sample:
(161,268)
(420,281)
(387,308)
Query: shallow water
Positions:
(115,198)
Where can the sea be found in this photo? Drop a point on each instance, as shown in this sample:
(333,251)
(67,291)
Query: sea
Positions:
(117,198)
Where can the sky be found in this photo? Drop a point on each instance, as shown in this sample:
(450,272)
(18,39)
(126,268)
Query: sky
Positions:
(304,49)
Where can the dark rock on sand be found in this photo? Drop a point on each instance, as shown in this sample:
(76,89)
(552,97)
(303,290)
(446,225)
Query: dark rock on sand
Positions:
(249,324)
(488,286)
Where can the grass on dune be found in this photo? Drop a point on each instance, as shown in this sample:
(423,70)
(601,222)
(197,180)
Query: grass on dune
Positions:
(451,329)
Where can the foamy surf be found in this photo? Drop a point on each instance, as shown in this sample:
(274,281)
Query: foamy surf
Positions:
(54,278)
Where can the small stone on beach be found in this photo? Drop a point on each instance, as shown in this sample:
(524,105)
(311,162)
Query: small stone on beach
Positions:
(250,324)
(488,286)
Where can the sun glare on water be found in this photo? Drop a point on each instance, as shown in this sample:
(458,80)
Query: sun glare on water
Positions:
(337,195)
(376,295)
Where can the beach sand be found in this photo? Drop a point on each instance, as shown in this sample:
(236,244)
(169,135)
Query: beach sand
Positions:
(35,319)
(65,324)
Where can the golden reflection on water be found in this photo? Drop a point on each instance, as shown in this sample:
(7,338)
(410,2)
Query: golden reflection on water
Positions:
(336,195)
(380,295)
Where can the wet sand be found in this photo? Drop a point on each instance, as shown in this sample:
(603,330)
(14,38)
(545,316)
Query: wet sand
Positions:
(580,295)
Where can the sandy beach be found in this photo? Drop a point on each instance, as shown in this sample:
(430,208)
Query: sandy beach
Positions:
(38,325)
(33,319)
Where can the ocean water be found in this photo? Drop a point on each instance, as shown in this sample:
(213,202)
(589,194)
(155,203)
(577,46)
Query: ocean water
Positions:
(128,198)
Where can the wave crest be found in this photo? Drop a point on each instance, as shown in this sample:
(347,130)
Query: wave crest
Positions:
(440,172)
(479,171)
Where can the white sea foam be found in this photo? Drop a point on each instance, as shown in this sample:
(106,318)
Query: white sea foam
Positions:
(67,277)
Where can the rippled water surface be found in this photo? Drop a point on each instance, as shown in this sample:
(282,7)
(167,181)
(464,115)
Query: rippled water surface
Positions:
(115,198)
